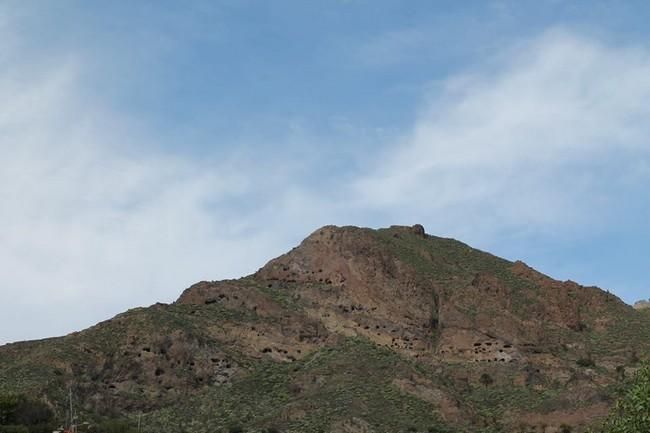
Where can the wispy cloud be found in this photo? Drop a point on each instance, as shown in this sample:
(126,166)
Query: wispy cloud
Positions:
(97,217)
(527,142)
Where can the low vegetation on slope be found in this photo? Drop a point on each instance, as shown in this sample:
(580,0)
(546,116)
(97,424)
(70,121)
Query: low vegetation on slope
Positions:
(351,382)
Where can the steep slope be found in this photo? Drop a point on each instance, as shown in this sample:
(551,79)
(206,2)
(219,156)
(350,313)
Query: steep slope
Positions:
(354,330)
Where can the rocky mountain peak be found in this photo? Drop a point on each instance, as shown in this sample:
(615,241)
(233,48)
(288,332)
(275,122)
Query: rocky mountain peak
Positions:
(319,337)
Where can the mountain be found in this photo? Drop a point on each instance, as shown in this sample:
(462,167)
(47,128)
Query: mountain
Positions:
(642,304)
(354,330)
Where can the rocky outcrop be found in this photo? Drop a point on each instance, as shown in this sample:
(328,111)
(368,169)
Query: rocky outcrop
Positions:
(640,305)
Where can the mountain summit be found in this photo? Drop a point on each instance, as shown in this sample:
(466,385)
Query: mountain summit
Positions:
(354,330)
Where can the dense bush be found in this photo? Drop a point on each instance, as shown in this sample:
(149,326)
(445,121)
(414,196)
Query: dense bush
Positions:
(114,426)
(632,413)
(438,429)
(486,380)
(586,362)
(235,428)
(19,414)
(14,429)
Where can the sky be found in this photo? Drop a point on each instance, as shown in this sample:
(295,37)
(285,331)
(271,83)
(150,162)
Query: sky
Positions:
(148,145)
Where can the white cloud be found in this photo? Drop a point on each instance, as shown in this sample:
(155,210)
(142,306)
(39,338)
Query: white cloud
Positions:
(96,218)
(520,143)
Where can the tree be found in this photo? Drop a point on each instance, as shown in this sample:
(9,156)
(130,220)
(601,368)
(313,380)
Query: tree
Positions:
(19,413)
(8,404)
(486,380)
(632,412)
(33,412)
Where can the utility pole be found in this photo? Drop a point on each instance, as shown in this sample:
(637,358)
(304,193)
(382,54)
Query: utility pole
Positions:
(70,401)
(72,427)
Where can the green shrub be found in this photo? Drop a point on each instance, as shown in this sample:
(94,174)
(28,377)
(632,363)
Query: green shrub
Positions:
(115,426)
(586,362)
(437,429)
(14,429)
(31,412)
(632,413)
(486,380)
(19,413)
(235,429)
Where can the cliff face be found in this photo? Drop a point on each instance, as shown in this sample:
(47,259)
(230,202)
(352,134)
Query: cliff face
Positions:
(354,330)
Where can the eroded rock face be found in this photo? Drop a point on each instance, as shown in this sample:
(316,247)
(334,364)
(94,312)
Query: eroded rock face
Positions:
(435,299)
(352,285)
(349,282)
(469,345)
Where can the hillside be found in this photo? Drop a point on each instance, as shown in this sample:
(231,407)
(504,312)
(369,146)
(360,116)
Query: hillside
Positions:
(354,330)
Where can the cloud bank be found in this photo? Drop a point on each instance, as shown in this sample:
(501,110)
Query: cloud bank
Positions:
(96,216)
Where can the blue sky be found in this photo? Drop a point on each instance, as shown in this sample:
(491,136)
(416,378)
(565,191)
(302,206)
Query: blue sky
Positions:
(148,145)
